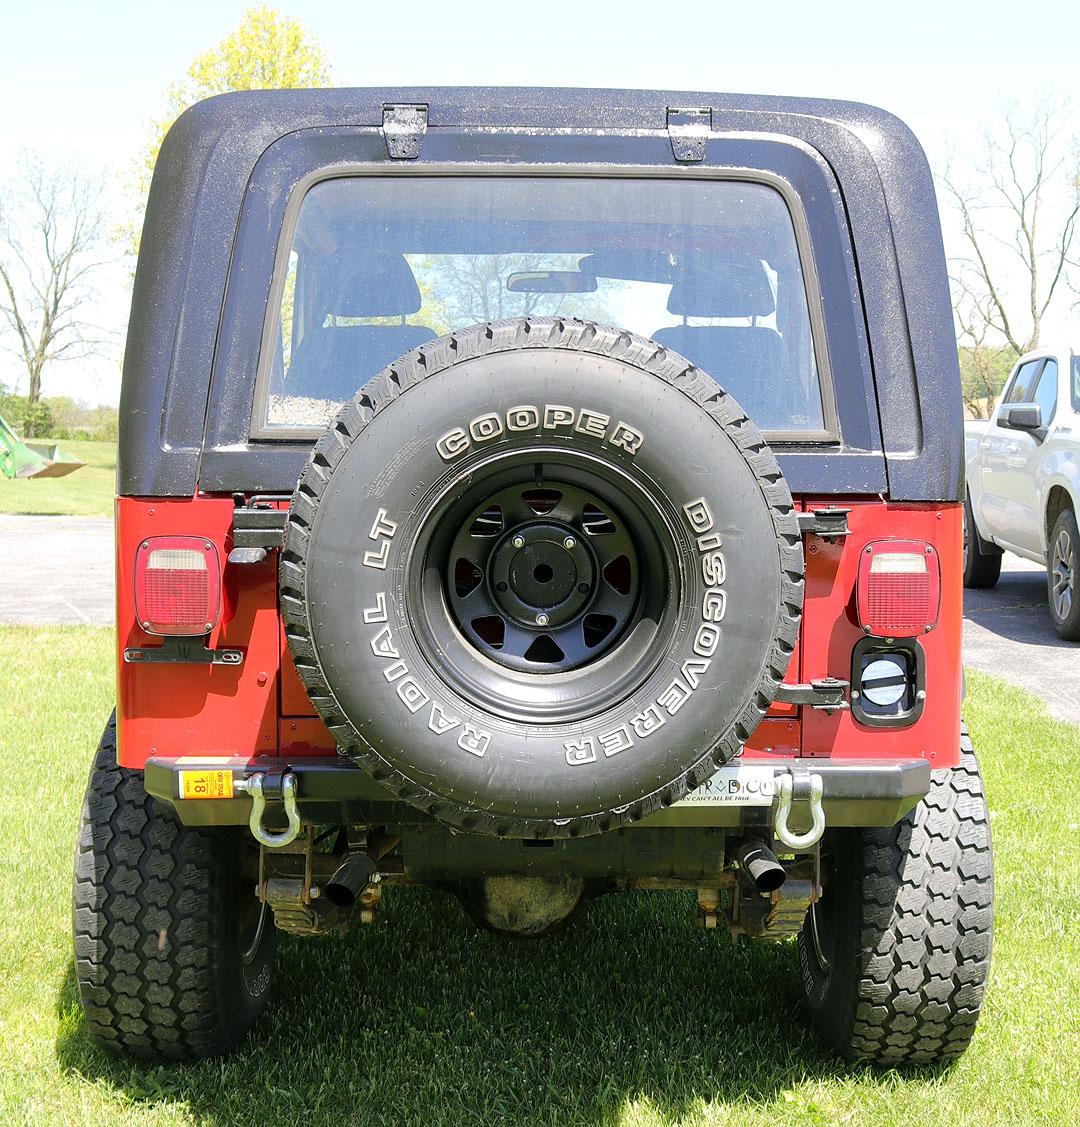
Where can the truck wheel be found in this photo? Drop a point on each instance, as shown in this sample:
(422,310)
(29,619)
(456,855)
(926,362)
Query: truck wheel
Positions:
(1061,576)
(982,561)
(172,948)
(541,577)
(895,956)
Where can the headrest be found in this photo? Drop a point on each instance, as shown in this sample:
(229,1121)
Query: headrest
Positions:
(367,283)
(727,285)
(631,264)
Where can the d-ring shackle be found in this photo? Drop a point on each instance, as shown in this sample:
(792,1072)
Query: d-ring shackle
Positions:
(254,787)
(813,835)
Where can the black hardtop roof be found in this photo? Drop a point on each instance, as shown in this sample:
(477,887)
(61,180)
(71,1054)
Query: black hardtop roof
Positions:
(210,153)
(285,110)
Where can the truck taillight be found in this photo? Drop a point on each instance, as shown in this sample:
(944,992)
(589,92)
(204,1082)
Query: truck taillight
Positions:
(899,588)
(177,585)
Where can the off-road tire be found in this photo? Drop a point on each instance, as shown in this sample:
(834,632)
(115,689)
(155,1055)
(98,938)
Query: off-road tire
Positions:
(388,692)
(1067,624)
(982,561)
(157,922)
(907,915)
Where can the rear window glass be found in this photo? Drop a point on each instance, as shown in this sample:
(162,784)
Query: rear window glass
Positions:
(379,265)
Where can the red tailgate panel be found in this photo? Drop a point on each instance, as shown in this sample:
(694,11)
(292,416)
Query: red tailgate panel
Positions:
(182,709)
(830,631)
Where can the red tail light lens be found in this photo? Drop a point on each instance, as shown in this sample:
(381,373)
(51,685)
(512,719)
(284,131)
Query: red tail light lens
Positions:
(177,585)
(899,588)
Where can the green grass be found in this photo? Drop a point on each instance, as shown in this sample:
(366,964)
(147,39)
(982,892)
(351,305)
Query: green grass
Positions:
(633,1015)
(88,492)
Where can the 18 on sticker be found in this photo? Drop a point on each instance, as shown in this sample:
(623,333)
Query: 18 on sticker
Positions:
(206,784)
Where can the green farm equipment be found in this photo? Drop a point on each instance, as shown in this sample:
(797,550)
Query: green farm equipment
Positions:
(32,459)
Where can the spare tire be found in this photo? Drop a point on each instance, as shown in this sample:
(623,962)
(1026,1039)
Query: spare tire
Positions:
(541,577)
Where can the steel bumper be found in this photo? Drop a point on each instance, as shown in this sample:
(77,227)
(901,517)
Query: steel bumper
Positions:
(854,792)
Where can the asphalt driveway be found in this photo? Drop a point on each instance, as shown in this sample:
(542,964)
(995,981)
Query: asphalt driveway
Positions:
(56,570)
(1007,632)
(60,570)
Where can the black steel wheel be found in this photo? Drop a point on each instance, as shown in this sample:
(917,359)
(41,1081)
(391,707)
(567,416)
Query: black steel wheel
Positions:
(545,585)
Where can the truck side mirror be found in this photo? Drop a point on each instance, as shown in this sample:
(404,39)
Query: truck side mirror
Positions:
(1022,416)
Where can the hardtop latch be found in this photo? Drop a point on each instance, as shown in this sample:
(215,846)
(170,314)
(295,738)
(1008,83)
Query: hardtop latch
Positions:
(689,130)
(403,129)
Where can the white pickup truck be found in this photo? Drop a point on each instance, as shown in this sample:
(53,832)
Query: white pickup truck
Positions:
(1023,481)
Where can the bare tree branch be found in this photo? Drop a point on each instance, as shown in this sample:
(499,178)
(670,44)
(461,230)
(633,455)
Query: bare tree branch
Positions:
(51,233)
(1019,227)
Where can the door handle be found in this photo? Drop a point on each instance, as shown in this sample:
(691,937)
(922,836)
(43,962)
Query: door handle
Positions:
(1013,447)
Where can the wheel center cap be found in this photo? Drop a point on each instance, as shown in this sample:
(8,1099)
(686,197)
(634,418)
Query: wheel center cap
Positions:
(542,574)
(542,569)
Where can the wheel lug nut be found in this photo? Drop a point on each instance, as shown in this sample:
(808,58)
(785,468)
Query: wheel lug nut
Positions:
(518,541)
(542,620)
(500,586)
(583,588)
(569,543)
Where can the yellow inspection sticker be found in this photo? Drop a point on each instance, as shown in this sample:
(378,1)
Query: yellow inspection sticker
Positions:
(206,784)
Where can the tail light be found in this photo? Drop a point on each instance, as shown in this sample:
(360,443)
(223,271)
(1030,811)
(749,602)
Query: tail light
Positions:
(177,585)
(899,588)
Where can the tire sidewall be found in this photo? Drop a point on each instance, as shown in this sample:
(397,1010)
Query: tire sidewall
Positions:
(243,982)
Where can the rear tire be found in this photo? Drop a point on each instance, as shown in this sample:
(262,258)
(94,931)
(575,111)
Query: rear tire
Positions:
(982,560)
(1063,559)
(905,925)
(172,949)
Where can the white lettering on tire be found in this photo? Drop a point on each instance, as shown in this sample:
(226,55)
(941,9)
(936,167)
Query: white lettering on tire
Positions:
(646,723)
(528,417)
(413,696)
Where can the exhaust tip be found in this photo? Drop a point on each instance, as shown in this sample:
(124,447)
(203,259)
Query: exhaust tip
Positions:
(351,878)
(759,863)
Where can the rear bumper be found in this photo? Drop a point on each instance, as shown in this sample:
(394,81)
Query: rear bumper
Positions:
(855,792)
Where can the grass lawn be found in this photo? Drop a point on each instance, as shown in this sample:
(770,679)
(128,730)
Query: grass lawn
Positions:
(632,1016)
(88,492)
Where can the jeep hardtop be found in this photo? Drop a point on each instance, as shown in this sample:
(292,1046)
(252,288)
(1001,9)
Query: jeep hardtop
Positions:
(536,494)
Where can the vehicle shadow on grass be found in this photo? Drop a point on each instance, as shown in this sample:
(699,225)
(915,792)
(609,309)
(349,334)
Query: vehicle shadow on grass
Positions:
(423,1019)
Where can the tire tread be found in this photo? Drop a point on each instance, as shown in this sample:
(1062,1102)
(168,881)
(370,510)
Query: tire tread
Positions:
(146,891)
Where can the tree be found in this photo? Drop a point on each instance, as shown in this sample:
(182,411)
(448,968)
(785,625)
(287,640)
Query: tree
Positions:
(473,289)
(983,372)
(50,242)
(1018,227)
(268,51)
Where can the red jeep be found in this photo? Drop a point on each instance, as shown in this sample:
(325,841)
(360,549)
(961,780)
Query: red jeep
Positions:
(536,494)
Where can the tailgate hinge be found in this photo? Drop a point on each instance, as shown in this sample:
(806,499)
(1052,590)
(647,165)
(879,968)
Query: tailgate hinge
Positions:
(829,524)
(403,129)
(826,693)
(689,130)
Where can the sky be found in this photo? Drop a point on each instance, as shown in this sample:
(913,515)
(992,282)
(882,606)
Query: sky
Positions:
(81,81)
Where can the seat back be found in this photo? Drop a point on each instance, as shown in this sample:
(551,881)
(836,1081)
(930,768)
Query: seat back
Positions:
(333,361)
(749,361)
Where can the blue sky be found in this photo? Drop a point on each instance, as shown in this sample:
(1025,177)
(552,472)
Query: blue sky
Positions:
(86,78)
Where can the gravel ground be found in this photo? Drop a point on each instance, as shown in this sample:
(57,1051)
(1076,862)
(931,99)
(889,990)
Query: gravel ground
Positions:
(59,570)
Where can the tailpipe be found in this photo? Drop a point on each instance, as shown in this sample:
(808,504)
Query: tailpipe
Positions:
(759,863)
(350,878)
